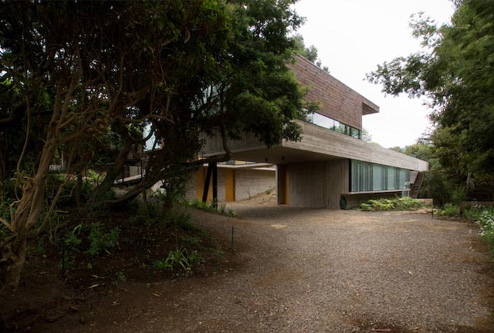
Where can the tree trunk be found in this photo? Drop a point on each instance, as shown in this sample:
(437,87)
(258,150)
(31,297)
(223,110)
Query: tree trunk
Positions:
(167,206)
(13,258)
(27,214)
(112,173)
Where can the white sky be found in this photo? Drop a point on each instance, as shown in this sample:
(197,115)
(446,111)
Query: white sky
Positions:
(354,36)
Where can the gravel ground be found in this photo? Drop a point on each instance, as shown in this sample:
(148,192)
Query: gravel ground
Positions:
(301,270)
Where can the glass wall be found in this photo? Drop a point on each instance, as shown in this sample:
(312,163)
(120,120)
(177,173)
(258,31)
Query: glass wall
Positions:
(376,177)
(334,125)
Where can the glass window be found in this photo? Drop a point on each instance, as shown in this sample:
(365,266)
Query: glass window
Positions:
(378,177)
(391,184)
(375,177)
(355,132)
(404,178)
(334,125)
(323,121)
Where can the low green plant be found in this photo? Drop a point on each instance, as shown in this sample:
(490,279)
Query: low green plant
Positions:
(120,277)
(211,207)
(180,258)
(486,227)
(72,239)
(100,241)
(405,203)
(449,210)
(473,213)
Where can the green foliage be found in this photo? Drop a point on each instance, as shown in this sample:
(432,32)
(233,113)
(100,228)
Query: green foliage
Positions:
(458,195)
(455,72)
(85,90)
(211,207)
(474,213)
(405,203)
(72,239)
(449,210)
(180,259)
(120,277)
(101,241)
(486,227)
(309,53)
(94,237)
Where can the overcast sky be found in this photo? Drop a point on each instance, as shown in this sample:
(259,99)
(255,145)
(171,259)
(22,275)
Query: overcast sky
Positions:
(354,36)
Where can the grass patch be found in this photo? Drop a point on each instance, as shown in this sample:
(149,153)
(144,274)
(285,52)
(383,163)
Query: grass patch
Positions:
(405,203)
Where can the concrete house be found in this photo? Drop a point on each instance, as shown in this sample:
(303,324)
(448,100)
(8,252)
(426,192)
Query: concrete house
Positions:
(330,167)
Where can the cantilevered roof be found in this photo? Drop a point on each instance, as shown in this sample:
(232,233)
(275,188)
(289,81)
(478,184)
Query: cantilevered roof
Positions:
(317,144)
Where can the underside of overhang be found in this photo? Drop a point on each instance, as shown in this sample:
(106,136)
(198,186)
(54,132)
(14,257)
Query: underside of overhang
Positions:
(279,155)
(317,144)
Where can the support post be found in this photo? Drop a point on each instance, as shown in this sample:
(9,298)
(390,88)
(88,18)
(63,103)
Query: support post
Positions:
(214,166)
(206,184)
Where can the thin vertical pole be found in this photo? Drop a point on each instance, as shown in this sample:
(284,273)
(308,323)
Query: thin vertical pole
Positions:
(206,184)
(214,166)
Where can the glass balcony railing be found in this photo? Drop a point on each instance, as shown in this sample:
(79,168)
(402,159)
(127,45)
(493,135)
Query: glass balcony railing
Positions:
(334,125)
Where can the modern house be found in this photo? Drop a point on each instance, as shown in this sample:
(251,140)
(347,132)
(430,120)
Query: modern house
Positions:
(330,167)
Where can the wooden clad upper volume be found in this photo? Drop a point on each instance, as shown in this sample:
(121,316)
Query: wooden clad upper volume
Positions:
(336,100)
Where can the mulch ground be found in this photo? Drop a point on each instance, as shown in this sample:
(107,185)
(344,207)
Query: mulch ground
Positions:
(289,270)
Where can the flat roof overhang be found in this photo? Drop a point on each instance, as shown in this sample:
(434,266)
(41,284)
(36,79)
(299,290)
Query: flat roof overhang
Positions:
(317,144)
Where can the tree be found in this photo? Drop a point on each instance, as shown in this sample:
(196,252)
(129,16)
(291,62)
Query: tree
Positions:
(455,73)
(309,53)
(366,136)
(249,89)
(75,74)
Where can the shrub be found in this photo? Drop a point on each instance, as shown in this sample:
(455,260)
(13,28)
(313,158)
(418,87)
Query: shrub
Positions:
(405,203)
(449,210)
(458,195)
(486,227)
(473,213)
(100,241)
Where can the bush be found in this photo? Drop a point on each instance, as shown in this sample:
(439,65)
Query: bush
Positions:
(458,195)
(449,210)
(405,203)
(486,224)
(100,241)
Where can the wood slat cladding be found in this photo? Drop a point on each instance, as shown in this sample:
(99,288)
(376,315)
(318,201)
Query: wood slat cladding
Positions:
(336,100)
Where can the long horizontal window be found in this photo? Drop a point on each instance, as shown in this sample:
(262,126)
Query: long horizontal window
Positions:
(334,125)
(376,177)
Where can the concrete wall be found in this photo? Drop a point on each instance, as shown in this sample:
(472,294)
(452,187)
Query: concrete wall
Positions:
(317,143)
(248,183)
(336,100)
(322,141)
(318,184)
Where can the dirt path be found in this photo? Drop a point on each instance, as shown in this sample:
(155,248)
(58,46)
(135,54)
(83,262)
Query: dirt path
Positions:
(300,270)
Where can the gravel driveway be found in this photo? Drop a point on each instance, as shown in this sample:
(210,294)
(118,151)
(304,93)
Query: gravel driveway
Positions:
(301,270)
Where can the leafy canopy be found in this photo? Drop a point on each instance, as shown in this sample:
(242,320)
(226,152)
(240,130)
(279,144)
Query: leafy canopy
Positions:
(456,72)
